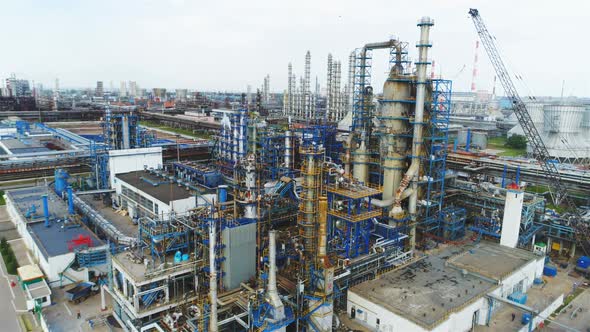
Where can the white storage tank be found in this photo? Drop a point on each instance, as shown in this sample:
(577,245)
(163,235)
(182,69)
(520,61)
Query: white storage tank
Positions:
(563,118)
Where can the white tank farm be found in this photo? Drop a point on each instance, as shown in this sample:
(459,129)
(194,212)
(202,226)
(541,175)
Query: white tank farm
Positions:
(536,112)
(565,133)
(479,140)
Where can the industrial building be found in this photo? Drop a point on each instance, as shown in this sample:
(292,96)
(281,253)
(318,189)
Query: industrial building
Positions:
(445,294)
(337,217)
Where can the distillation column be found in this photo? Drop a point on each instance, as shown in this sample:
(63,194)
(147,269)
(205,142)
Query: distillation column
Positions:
(250,209)
(395,109)
(288,149)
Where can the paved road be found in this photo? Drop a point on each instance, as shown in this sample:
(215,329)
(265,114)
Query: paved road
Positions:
(7,310)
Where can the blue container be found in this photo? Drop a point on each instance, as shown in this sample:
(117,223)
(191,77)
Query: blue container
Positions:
(526,318)
(61,181)
(583,262)
(222,195)
(46,210)
(185,257)
(518,297)
(550,271)
(177,257)
(538,281)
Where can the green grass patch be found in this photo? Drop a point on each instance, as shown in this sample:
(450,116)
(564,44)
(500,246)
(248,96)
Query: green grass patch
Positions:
(2,200)
(8,256)
(537,189)
(499,143)
(187,132)
(559,209)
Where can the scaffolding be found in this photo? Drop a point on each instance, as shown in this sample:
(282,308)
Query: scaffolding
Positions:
(436,143)
(100,157)
(163,237)
(361,109)
(122,131)
(350,215)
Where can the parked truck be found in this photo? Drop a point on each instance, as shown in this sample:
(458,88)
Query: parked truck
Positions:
(81,291)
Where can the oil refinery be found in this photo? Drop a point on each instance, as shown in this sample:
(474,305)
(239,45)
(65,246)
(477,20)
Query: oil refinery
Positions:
(363,206)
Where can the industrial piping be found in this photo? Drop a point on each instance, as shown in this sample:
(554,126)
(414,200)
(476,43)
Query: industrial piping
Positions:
(360,170)
(71,210)
(46,210)
(102,223)
(212,279)
(272,292)
(422,64)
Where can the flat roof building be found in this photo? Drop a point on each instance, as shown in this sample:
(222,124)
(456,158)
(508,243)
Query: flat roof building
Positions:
(61,242)
(444,292)
(150,193)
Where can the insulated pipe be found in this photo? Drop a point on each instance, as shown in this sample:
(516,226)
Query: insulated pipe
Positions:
(421,66)
(272,291)
(46,210)
(322,229)
(288,148)
(388,202)
(108,228)
(212,279)
(71,210)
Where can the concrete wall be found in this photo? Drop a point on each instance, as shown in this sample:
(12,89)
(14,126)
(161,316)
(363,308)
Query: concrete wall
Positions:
(123,161)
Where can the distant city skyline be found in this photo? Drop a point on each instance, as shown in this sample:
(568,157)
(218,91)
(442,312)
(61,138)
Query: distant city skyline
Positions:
(227,46)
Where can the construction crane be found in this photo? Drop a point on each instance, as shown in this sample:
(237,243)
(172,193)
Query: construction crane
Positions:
(557,188)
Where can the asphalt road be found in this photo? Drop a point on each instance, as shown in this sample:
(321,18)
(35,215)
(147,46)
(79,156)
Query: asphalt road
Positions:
(7,311)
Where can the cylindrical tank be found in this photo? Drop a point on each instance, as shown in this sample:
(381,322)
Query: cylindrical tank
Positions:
(536,112)
(586,118)
(395,109)
(479,140)
(46,210)
(288,148)
(361,163)
(563,118)
(222,195)
(61,181)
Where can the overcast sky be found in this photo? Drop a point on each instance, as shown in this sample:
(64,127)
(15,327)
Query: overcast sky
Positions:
(226,45)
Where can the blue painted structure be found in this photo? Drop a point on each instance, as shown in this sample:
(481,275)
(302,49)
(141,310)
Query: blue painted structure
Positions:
(46,210)
(200,173)
(71,209)
(61,181)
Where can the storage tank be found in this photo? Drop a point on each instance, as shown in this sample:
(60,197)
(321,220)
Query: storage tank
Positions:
(536,112)
(61,181)
(565,132)
(479,140)
(563,118)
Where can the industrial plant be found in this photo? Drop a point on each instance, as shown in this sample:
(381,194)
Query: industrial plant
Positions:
(362,206)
